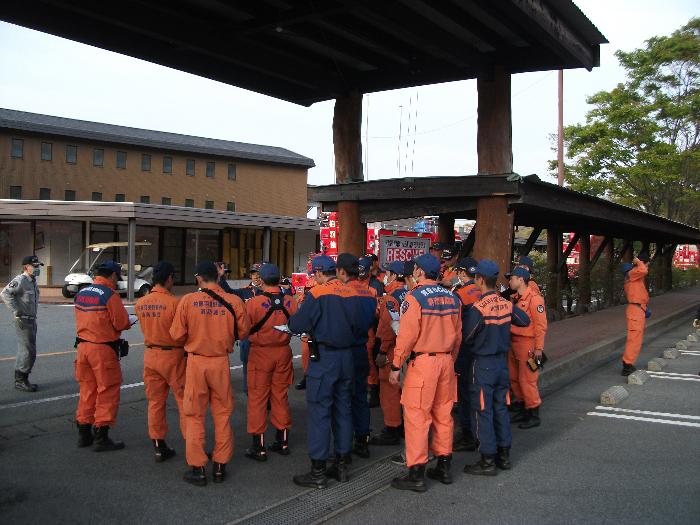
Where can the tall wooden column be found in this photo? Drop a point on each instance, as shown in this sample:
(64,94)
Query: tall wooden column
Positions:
(494,234)
(347,146)
(628,254)
(553,292)
(658,265)
(446,229)
(584,275)
(668,267)
(609,283)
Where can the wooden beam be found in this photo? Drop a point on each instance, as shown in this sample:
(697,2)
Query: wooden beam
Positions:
(379,211)
(446,229)
(567,252)
(494,138)
(553,293)
(623,250)
(347,142)
(468,244)
(609,281)
(531,240)
(584,275)
(352,233)
(599,251)
(494,234)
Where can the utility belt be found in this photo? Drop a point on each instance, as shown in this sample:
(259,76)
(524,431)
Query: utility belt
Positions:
(647,312)
(413,355)
(158,347)
(120,346)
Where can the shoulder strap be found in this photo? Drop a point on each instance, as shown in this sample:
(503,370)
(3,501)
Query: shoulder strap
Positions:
(276,303)
(225,304)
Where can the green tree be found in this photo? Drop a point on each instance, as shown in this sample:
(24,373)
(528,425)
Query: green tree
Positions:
(640,145)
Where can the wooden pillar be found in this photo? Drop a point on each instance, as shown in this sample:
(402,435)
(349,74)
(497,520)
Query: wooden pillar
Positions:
(352,233)
(658,265)
(553,293)
(628,253)
(494,234)
(347,142)
(584,274)
(609,283)
(668,268)
(446,229)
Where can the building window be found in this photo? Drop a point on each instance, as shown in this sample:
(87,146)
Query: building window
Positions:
(17,150)
(145,199)
(230,206)
(15,192)
(145,162)
(121,160)
(46,150)
(209,205)
(45,194)
(166,201)
(71,154)
(190,168)
(96,196)
(119,197)
(167,164)
(231,172)
(210,169)
(98,157)
(70,195)
(189,203)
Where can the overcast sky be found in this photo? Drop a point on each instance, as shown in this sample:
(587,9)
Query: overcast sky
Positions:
(46,74)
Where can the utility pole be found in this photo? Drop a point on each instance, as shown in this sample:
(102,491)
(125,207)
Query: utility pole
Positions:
(560,137)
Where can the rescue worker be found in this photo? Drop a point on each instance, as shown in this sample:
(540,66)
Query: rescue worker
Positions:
(529,264)
(163,359)
(349,269)
(270,370)
(100,318)
(526,343)
(209,321)
(636,311)
(337,322)
(448,270)
(389,395)
(487,330)
(310,283)
(437,248)
(429,337)
(21,295)
(468,293)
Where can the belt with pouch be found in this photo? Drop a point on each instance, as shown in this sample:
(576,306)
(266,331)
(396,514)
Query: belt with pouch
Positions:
(158,347)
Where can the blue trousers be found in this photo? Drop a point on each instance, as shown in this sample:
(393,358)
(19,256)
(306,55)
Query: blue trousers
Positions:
(244,345)
(463,368)
(488,390)
(360,404)
(329,402)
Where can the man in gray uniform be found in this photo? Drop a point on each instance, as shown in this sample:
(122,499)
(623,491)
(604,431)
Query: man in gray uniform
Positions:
(21,296)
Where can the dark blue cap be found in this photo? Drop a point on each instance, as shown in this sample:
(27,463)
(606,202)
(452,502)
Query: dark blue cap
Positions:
(626,267)
(33,260)
(163,270)
(527,261)
(468,264)
(519,271)
(428,263)
(487,268)
(206,269)
(408,268)
(364,264)
(347,261)
(269,271)
(322,263)
(439,246)
(111,266)
(396,267)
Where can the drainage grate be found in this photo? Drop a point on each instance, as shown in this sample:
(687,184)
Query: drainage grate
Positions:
(317,505)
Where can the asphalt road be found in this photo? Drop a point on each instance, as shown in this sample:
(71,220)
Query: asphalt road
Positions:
(575,468)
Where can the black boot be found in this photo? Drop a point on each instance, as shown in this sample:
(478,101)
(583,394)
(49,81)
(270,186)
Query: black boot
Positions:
(281,443)
(103,443)
(516,406)
(503,458)
(339,469)
(627,369)
(485,467)
(533,420)
(219,472)
(519,417)
(301,385)
(361,447)
(316,478)
(465,442)
(388,436)
(373,396)
(22,382)
(414,480)
(441,472)
(162,450)
(196,476)
(85,437)
(257,451)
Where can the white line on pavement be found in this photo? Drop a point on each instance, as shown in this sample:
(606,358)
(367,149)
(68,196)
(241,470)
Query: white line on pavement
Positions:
(647,419)
(691,379)
(689,352)
(647,412)
(673,374)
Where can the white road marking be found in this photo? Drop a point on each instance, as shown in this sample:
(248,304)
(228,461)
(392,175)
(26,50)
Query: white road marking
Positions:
(691,379)
(647,412)
(647,419)
(689,352)
(673,374)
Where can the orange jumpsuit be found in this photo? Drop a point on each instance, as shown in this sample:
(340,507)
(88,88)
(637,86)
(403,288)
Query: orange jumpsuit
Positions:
(270,370)
(637,301)
(208,330)
(389,395)
(532,285)
(163,359)
(100,317)
(431,326)
(524,342)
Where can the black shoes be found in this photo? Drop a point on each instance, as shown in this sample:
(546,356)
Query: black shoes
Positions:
(503,458)
(301,385)
(162,450)
(196,476)
(516,406)
(22,382)
(388,436)
(441,471)
(627,369)
(103,443)
(414,480)
(339,469)
(85,437)
(465,442)
(219,472)
(281,443)
(316,478)
(257,451)
(531,419)
(373,396)
(361,447)
(485,467)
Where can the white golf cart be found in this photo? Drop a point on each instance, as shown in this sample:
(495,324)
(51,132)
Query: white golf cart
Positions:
(80,276)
